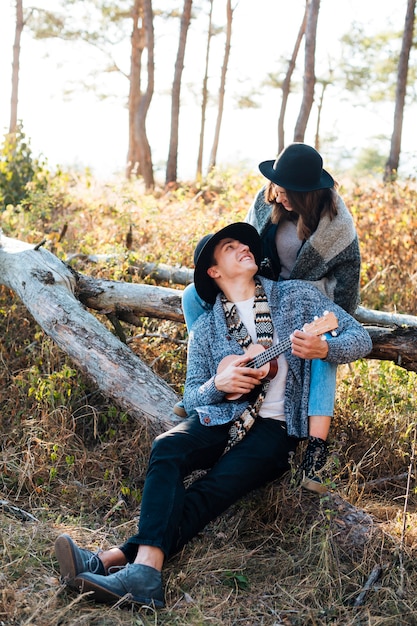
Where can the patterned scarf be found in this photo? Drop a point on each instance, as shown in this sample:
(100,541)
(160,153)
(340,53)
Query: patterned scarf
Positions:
(264,332)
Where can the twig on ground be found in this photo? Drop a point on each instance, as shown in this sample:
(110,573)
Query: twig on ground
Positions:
(164,336)
(374,575)
(380,481)
(117,326)
(121,503)
(16,512)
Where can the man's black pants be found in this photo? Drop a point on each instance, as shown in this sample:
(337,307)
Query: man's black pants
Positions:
(172,514)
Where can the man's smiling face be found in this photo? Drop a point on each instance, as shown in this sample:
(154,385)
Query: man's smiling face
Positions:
(232,258)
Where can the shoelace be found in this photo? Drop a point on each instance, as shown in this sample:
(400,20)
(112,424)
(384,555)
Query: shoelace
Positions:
(115,568)
(95,563)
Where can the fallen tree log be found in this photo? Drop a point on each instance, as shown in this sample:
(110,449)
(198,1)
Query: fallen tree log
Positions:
(98,293)
(129,302)
(394,344)
(47,287)
(384,318)
(394,335)
(160,272)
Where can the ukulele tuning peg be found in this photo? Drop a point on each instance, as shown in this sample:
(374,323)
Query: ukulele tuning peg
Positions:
(316,317)
(333,333)
(325,312)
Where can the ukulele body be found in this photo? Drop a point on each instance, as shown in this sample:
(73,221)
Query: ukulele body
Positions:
(269,370)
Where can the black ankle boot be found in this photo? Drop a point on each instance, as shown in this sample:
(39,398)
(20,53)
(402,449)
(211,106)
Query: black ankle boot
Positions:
(315,457)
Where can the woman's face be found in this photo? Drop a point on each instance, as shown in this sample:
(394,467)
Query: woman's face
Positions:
(281,197)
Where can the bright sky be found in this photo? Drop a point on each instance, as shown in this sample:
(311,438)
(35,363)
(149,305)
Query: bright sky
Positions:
(82,130)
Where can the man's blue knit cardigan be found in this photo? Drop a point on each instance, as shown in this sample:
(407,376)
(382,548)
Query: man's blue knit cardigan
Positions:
(293,303)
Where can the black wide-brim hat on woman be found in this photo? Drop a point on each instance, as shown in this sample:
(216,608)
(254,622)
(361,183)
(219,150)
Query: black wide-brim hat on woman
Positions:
(298,167)
(203,255)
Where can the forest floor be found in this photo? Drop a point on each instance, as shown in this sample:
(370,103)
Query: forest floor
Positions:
(76,463)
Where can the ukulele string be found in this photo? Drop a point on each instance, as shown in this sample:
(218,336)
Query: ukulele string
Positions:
(260,359)
(263,358)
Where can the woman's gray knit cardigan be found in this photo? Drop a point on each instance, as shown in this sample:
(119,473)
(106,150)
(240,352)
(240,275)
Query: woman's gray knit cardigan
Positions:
(329,259)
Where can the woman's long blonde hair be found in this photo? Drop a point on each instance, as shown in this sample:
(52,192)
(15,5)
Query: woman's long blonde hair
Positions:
(307,207)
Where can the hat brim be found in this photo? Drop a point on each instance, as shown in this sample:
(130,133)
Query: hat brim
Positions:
(243,232)
(266,168)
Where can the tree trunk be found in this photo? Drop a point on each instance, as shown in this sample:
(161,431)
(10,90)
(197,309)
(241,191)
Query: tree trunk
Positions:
(172,163)
(324,85)
(204,98)
(309,64)
(145,156)
(15,66)
(391,166)
(286,83)
(222,89)
(137,47)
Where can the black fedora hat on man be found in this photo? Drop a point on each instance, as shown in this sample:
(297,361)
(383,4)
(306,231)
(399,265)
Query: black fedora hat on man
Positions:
(298,167)
(203,255)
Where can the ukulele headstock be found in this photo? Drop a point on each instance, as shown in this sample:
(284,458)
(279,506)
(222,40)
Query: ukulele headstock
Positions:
(320,325)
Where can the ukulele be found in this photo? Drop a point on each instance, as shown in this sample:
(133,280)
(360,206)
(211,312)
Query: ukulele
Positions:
(264,359)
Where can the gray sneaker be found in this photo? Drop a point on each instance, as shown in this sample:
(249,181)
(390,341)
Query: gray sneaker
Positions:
(134,584)
(74,560)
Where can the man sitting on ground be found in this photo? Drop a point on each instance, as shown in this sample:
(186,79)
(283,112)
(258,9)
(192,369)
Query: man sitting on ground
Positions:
(242,443)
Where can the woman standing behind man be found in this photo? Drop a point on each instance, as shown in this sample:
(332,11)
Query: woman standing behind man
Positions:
(307,234)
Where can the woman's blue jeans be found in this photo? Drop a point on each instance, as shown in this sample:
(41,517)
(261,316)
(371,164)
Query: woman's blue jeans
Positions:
(323,374)
(172,514)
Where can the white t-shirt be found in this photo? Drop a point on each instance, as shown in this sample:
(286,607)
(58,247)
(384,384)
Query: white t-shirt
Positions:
(273,404)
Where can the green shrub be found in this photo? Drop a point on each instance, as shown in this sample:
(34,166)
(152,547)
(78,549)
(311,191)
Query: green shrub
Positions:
(20,172)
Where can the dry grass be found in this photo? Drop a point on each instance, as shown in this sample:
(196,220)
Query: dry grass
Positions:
(77,463)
